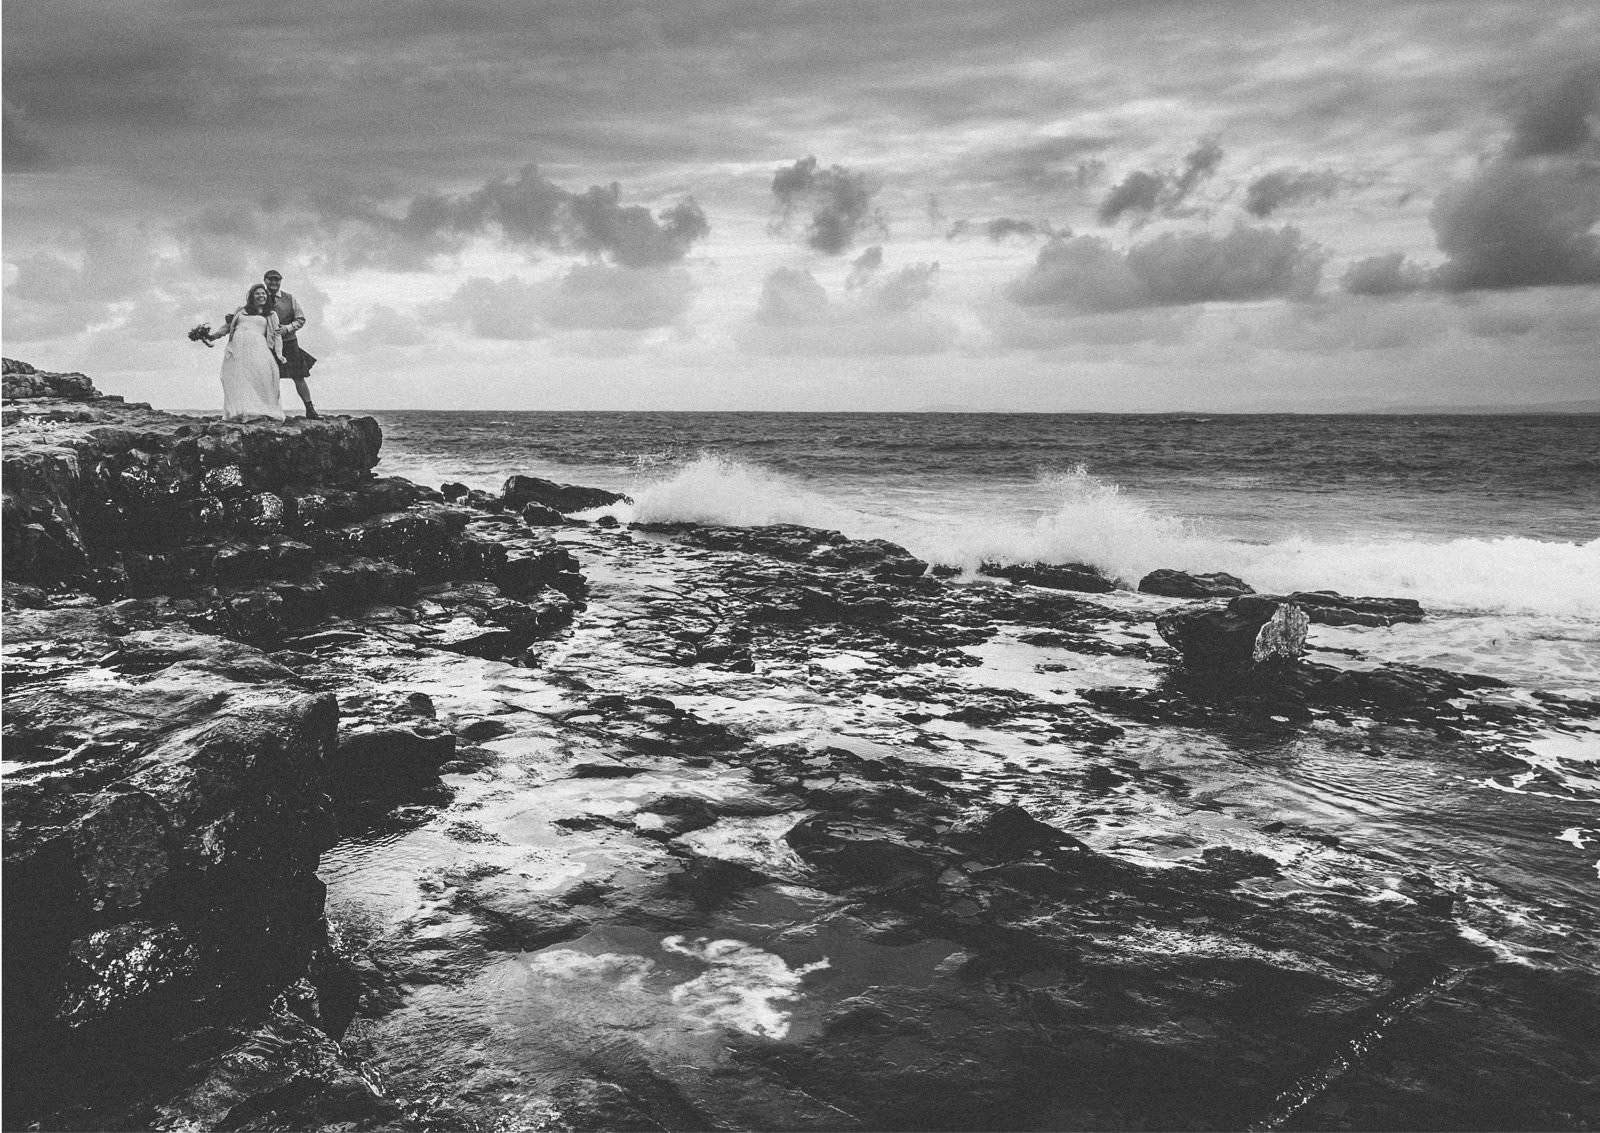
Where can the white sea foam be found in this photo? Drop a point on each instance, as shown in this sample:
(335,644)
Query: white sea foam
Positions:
(1075,517)
(714,489)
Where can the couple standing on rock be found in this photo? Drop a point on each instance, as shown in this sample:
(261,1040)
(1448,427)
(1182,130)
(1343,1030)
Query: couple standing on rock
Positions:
(262,349)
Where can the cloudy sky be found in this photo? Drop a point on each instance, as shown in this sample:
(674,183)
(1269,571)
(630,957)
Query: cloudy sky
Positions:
(816,204)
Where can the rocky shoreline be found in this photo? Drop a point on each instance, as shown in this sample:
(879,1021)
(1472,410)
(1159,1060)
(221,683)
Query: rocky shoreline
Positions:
(241,667)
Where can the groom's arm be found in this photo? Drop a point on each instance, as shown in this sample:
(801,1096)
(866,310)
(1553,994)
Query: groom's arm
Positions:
(299,319)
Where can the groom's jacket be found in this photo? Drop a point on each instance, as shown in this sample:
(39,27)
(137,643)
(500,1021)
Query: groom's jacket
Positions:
(290,317)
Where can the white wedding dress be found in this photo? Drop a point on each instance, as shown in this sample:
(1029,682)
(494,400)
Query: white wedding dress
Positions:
(250,372)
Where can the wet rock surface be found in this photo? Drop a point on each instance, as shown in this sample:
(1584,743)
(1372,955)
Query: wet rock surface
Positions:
(690,827)
(1181,584)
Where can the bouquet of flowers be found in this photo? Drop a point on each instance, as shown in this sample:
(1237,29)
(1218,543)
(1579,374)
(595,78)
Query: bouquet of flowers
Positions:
(201,333)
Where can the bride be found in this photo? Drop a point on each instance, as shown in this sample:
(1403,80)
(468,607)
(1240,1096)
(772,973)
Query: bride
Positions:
(250,363)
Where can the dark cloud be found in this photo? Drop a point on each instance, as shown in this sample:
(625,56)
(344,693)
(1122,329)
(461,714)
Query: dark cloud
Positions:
(838,199)
(864,267)
(1391,274)
(629,234)
(1527,217)
(1556,117)
(1200,164)
(528,210)
(1520,223)
(1002,226)
(1086,273)
(1283,188)
(1139,191)
(1145,191)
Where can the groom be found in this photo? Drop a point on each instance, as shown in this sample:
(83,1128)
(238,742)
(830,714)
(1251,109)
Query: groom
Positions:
(296,362)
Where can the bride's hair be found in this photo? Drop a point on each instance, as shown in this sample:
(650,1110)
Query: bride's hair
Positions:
(250,307)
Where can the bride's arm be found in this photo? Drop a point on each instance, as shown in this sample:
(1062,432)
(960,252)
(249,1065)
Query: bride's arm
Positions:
(227,326)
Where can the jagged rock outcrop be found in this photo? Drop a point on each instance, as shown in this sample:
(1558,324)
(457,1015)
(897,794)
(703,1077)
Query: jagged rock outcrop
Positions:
(21,381)
(1250,634)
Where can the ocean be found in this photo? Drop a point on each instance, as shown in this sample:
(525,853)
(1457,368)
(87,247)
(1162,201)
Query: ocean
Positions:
(1491,522)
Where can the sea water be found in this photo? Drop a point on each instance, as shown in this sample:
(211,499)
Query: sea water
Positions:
(1491,522)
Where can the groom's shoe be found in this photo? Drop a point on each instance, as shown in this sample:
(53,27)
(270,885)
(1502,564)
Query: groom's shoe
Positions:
(311,413)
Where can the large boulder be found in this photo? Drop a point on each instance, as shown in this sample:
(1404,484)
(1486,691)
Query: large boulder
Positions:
(520,491)
(1054,576)
(1327,607)
(1251,633)
(1182,584)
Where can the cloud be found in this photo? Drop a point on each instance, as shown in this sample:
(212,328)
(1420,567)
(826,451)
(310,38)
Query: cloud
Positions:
(1285,187)
(864,267)
(1139,191)
(1200,164)
(1564,317)
(839,200)
(1554,117)
(1052,164)
(1389,274)
(1145,191)
(98,270)
(602,297)
(629,234)
(1520,223)
(506,309)
(1002,226)
(587,297)
(1526,218)
(1341,325)
(526,210)
(386,326)
(1088,274)
(796,317)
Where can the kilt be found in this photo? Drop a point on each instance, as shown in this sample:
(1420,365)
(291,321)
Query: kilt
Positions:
(296,362)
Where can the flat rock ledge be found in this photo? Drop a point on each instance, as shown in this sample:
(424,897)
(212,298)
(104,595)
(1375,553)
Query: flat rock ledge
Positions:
(177,591)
